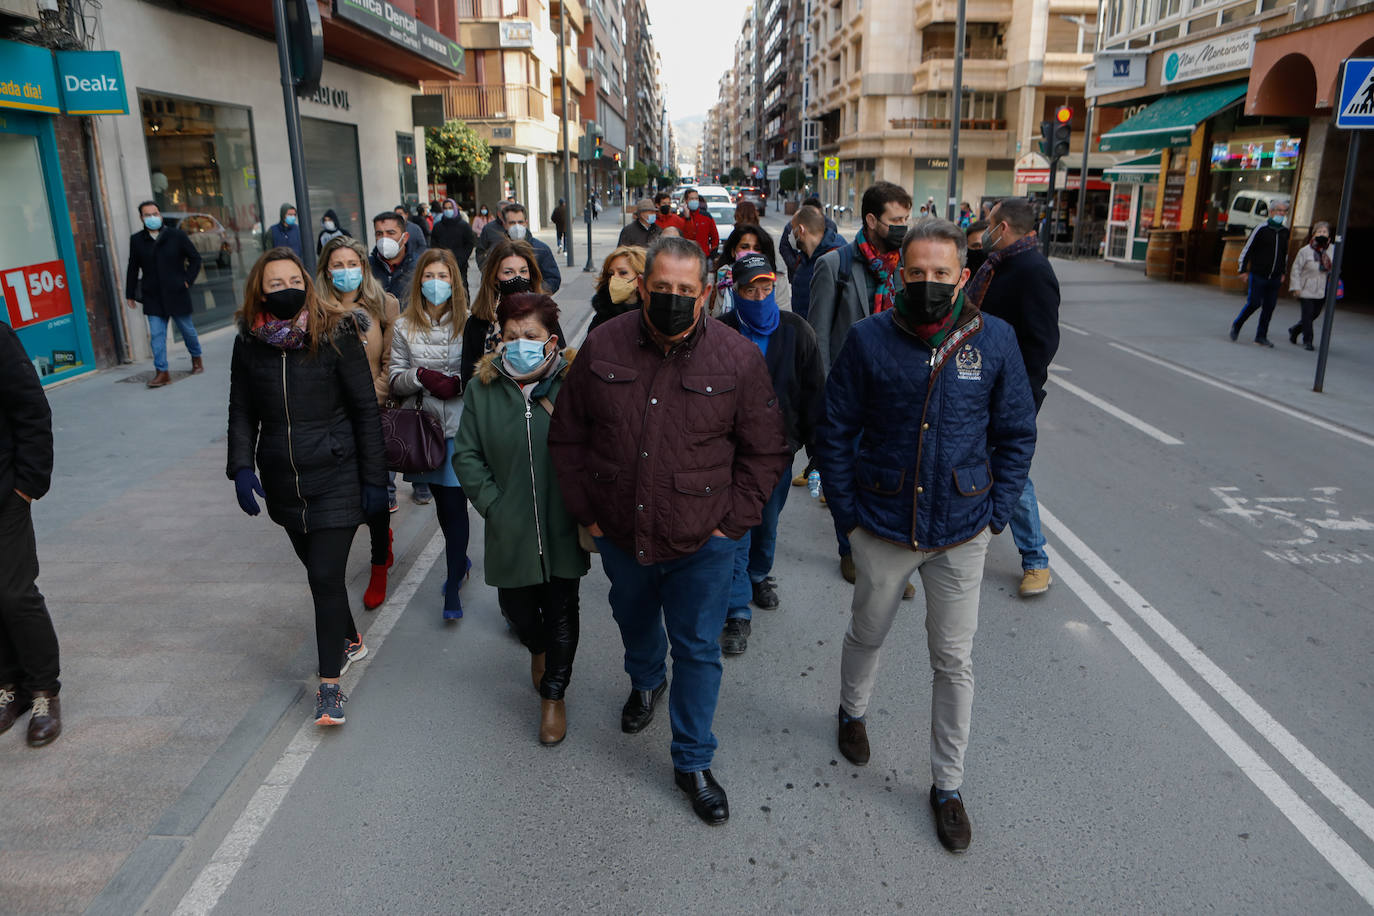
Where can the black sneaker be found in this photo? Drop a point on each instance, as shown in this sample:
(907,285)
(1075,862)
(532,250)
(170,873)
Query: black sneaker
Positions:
(1235,332)
(766,594)
(951,822)
(734,639)
(1263,342)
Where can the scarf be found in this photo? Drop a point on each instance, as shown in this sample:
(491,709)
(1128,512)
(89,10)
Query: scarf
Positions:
(1323,258)
(935,334)
(884,268)
(978,286)
(725,277)
(288,334)
(758,320)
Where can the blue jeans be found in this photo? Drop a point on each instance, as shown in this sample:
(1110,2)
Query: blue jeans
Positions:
(157,328)
(1025,530)
(1261,296)
(754,555)
(689,597)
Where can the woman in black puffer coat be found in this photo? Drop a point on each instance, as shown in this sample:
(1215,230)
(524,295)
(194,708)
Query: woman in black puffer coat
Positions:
(303,409)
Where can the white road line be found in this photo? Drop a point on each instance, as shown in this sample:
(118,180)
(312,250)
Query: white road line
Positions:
(1322,777)
(205,892)
(1242,393)
(1355,870)
(1153,432)
(1079,331)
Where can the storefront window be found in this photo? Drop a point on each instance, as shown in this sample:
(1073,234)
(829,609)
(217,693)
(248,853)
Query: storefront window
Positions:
(331,162)
(204,174)
(1247,175)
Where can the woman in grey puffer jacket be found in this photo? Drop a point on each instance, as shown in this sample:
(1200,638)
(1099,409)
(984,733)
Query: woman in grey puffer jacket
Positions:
(426,363)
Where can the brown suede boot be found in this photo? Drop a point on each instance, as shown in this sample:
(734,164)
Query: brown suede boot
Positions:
(46,722)
(553,722)
(537,669)
(159,380)
(197,365)
(14,702)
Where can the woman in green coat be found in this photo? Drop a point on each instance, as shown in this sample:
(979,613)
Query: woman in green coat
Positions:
(501,456)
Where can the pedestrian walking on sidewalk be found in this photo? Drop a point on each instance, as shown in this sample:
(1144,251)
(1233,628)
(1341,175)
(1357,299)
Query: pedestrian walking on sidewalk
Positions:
(744,239)
(533,558)
(794,365)
(286,231)
(698,225)
(667,219)
(1017,284)
(512,268)
(303,411)
(1311,271)
(923,485)
(162,266)
(794,255)
(454,233)
(330,229)
(345,282)
(643,229)
(29,652)
(1264,260)
(514,225)
(417,238)
(559,218)
(617,288)
(426,364)
(667,443)
(479,222)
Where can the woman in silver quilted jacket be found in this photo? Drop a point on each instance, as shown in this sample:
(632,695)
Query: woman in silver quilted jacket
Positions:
(426,363)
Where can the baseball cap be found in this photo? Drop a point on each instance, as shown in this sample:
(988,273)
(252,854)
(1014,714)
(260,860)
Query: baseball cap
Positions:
(751,267)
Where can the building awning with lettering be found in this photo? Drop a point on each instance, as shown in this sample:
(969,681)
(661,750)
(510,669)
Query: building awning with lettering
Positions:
(1141,170)
(1171,120)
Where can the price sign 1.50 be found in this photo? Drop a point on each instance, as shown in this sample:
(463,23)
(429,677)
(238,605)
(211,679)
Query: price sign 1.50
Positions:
(36,293)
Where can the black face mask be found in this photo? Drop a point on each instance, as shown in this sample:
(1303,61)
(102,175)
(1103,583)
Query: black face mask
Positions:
(665,209)
(895,235)
(926,302)
(513,285)
(285,303)
(1321,241)
(976,258)
(671,314)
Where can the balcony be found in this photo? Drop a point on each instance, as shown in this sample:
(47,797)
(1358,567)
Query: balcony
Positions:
(493,9)
(937,73)
(493,102)
(943,124)
(928,11)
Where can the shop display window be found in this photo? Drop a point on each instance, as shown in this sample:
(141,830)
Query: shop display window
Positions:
(1246,175)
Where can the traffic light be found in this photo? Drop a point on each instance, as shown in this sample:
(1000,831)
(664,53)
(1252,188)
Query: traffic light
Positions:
(1063,130)
(617,160)
(596,151)
(1046,139)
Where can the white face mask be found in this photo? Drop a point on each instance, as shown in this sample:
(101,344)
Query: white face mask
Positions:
(517,232)
(388,247)
(329,225)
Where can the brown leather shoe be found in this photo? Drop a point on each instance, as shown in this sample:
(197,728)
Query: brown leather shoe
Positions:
(553,722)
(197,365)
(853,739)
(46,722)
(159,380)
(14,702)
(537,669)
(951,822)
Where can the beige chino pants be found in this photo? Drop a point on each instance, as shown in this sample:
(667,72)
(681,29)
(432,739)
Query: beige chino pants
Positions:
(952,580)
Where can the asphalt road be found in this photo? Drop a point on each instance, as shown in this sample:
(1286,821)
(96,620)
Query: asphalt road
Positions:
(1180,725)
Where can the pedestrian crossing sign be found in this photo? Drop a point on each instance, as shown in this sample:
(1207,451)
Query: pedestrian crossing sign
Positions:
(1355,108)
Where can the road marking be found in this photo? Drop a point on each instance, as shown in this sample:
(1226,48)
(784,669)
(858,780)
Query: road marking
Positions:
(1060,369)
(1154,432)
(1079,331)
(1359,811)
(1355,870)
(1242,393)
(205,892)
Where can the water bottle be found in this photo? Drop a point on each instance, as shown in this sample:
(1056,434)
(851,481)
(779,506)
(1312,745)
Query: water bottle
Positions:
(813,483)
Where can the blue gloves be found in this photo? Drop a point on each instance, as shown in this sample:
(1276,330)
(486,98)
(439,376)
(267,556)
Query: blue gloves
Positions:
(375,500)
(246,483)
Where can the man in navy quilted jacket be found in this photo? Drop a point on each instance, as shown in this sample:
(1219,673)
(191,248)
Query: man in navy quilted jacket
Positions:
(926,444)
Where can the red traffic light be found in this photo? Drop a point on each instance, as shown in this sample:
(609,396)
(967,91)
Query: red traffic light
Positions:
(1064,114)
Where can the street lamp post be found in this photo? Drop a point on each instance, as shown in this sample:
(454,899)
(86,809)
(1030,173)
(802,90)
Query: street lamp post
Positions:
(563,124)
(952,186)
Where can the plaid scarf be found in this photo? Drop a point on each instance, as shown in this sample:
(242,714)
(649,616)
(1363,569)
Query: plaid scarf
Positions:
(289,334)
(978,286)
(884,268)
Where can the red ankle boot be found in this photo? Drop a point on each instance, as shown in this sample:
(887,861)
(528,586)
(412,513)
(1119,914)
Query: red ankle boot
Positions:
(376,589)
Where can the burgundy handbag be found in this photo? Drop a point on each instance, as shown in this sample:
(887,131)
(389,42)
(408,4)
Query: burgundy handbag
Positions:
(414,439)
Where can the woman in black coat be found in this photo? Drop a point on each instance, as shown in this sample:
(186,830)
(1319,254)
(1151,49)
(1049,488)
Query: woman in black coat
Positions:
(303,409)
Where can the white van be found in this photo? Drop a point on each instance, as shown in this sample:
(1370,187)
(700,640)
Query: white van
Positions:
(1250,209)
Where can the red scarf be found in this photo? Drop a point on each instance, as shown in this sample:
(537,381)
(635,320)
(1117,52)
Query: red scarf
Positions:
(884,268)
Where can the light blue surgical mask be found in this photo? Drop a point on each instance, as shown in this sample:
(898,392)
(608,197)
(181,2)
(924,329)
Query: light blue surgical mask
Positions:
(524,356)
(437,291)
(651,218)
(693,204)
(346,279)
(290,220)
(154,223)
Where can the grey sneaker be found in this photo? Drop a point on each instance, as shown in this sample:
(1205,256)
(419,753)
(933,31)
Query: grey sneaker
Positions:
(734,639)
(329,705)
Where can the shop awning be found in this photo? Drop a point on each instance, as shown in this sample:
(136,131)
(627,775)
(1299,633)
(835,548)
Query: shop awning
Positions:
(1142,170)
(1170,121)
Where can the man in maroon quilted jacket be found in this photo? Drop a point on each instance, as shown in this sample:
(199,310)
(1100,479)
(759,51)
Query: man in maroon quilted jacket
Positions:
(667,441)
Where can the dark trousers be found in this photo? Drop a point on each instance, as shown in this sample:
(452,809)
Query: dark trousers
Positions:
(28,642)
(451,505)
(756,550)
(325,555)
(1311,309)
(1262,296)
(689,596)
(545,617)
(379,531)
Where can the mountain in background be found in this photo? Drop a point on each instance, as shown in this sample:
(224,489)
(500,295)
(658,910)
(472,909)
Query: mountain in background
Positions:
(689,135)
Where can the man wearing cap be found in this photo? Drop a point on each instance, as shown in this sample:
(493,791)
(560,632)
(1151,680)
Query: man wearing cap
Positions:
(644,229)
(794,364)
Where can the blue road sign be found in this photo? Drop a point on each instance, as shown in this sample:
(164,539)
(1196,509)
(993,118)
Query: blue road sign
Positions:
(1355,104)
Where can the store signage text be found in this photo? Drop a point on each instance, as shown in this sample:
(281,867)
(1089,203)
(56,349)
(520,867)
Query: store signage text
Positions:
(1117,70)
(337,98)
(1208,58)
(517,34)
(92,82)
(400,27)
(27,78)
(36,293)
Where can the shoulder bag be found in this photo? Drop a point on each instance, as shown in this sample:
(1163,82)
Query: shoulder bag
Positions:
(414,439)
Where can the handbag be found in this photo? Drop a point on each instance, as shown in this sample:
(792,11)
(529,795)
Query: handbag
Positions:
(414,439)
(584,536)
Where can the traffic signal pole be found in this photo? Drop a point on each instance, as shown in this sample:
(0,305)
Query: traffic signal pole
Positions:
(563,123)
(952,184)
(1049,209)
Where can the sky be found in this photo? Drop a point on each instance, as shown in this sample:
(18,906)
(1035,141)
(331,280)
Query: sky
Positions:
(696,39)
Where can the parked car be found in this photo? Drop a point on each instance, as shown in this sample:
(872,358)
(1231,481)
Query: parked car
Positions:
(1250,209)
(207,234)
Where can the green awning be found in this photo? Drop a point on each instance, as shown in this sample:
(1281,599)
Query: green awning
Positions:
(1170,121)
(1142,170)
